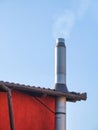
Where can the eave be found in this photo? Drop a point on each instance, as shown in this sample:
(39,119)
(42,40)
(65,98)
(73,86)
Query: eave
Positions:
(41,92)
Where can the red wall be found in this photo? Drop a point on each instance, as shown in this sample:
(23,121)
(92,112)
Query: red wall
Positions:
(4,115)
(29,114)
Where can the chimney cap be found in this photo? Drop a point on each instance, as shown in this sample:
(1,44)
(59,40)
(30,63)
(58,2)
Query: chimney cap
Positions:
(60,42)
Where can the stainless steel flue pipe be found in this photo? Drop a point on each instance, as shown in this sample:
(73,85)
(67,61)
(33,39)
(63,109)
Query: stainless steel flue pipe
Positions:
(60,83)
(60,65)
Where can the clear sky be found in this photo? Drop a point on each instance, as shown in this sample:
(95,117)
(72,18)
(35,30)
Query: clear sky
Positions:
(28,30)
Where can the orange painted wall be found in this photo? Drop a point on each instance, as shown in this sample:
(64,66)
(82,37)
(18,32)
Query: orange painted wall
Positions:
(29,114)
(4,115)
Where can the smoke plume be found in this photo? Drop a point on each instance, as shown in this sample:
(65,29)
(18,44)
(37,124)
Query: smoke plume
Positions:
(65,23)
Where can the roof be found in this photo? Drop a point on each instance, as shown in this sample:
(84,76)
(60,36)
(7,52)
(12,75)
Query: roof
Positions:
(41,92)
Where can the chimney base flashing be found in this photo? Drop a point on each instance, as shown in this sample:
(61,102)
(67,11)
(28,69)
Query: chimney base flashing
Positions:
(61,87)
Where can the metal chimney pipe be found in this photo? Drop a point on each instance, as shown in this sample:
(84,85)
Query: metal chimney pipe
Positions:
(60,83)
(60,65)
(61,113)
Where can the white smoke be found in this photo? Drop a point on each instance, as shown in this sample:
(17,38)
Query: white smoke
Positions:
(82,8)
(64,24)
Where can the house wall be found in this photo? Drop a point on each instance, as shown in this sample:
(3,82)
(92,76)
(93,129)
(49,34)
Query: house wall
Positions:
(29,113)
(4,114)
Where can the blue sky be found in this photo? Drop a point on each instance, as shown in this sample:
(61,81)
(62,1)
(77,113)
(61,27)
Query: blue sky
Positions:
(28,30)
